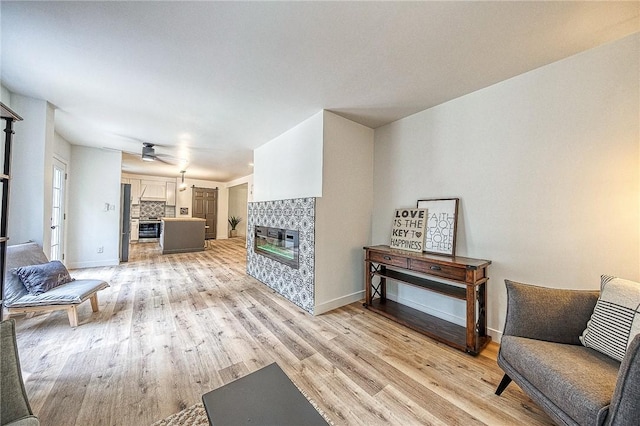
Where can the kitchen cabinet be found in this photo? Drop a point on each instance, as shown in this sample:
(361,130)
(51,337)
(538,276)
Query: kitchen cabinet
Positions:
(171,193)
(153,190)
(182,235)
(135,229)
(135,190)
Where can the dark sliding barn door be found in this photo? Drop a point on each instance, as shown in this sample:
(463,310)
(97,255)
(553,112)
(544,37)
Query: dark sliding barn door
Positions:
(205,206)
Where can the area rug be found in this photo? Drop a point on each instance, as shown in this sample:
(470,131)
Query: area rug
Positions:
(197,416)
(191,416)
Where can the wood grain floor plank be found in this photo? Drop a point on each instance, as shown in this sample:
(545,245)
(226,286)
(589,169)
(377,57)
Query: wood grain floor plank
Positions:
(336,386)
(286,338)
(173,327)
(356,371)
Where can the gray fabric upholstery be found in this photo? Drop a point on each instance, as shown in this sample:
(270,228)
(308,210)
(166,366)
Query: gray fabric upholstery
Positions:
(13,396)
(550,314)
(71,293)
(565,374)
(19,255)
(16,294)
(625,404)
(25,421)
(44,276)
(575,385)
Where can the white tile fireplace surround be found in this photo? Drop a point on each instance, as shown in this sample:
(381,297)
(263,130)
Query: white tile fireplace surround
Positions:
(298,214)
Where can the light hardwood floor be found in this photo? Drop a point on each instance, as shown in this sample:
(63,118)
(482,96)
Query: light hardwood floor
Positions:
(172,327)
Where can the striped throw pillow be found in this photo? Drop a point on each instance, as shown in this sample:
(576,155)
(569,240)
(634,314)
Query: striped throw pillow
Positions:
(616,318)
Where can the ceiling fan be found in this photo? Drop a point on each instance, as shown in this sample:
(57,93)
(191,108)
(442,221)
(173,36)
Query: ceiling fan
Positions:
(149,154)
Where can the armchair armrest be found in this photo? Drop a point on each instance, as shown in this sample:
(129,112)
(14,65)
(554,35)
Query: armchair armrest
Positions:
(554,315)
(624,408)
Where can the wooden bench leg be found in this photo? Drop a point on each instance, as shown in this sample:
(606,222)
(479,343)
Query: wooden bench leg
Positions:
(72,312)
(94,302)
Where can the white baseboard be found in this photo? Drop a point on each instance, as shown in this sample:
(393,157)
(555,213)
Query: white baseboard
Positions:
(93,264)
(336,303)
(429,310)
(496,335)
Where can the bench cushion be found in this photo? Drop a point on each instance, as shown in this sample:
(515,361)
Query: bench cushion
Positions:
(70,293)
(578,380)
(17,256)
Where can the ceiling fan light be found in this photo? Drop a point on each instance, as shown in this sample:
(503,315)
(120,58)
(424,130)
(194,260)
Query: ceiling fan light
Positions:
(183,186)
(148,153)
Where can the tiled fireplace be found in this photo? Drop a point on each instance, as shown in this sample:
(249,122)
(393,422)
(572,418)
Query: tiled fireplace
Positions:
(296,284)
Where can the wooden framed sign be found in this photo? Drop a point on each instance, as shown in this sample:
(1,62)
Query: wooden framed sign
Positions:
(442,221)
(408,229)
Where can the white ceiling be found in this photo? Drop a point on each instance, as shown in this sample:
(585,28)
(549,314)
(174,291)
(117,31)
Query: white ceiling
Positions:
(211,81)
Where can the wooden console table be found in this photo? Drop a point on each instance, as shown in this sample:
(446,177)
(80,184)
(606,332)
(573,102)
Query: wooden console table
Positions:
(458,277)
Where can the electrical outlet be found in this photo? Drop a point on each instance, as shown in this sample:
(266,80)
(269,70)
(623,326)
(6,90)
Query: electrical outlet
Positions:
(101,249)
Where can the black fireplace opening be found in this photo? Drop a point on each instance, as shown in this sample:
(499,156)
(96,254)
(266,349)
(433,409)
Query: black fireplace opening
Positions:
(278,244)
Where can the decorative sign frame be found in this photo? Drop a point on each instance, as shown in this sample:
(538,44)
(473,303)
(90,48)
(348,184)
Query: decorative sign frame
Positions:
(442,224)
(408,229)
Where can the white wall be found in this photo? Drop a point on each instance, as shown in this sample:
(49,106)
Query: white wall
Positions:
(62,152)
(243,180)
(290,166)
(184,199)
(49,145)
(5,96)
(30,193)
(93,181)
(238,196)
(248,181)
(62,149)
(546,165)
(343,213)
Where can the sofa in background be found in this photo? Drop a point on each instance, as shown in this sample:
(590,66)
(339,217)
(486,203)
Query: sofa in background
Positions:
(17,299)
(541,351)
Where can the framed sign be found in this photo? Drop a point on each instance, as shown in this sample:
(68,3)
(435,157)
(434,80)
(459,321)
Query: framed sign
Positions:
(407,232)
(442,219)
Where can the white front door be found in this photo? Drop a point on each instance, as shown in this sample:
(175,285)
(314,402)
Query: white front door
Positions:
(57,210)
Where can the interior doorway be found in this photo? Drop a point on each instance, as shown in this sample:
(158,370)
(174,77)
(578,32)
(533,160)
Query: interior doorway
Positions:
(238,196)
(205,205)
(57,210)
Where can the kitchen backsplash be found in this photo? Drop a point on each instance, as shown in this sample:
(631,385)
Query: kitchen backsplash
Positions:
(152,209)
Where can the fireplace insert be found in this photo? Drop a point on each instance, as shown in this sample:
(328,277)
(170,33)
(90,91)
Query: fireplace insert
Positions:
(278,244)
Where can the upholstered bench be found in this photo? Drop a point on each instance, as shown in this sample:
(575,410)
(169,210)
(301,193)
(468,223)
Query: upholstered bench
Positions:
(29,258)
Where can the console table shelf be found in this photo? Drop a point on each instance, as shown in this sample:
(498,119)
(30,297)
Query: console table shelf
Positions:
(458,277)
(434,327)
(435,286)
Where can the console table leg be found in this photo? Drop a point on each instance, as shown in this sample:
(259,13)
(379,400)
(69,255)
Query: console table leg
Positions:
(367,283)
(472,337)
(481,326)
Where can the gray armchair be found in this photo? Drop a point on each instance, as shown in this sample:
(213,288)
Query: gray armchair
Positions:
(15,408)
(541,352)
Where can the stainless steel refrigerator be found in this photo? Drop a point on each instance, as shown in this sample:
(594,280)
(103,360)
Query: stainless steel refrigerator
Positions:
(125,221)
